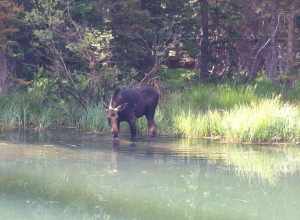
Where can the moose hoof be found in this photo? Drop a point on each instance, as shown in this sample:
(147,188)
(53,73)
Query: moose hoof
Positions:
(116,140)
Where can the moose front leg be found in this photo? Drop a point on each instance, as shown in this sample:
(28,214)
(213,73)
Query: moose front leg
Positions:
(132,126)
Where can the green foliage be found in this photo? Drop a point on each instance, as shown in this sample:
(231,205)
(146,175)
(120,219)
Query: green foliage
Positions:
(209,96)
(77,52)
(233,113)
(38,107)
(240,114)
(293,94)
(84,11)
(77,39)
(193,125)
(175,79)
(268,120)
(218,97)
(93,119)
(23,110)
(8,12)
(264,121)
(265,88)
(74,53)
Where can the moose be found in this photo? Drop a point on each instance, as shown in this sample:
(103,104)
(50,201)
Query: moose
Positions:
(128,105)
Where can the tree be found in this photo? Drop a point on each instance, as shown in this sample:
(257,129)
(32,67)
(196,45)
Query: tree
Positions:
(8,11)
(273,45)
(204,45)
(75,47)
(87,47)
(142,31)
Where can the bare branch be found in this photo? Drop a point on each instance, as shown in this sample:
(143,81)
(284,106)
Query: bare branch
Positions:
(273,35)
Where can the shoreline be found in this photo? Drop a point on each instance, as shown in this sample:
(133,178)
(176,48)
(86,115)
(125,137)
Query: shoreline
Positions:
(125,135)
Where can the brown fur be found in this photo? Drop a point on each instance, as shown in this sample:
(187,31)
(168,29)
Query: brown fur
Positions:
(130,104)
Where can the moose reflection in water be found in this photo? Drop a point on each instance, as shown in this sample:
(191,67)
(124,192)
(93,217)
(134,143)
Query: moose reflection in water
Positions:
(130,104)
(69,175)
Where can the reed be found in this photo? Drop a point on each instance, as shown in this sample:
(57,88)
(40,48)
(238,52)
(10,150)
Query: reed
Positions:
(228,112)
(93,119)
(232,113)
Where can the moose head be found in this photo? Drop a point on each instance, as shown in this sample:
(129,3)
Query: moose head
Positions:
(112,114)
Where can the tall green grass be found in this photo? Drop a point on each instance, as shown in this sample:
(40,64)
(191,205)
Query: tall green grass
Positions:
(22,110)
(231,113)
(93,119)
(252,113)
(268,120)
(206,97)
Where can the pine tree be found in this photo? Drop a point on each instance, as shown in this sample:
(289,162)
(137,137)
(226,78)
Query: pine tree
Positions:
(8,11)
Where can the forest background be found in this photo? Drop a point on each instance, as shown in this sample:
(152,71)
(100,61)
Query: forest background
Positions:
(230,66)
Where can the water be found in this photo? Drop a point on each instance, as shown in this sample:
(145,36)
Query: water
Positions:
(67,175)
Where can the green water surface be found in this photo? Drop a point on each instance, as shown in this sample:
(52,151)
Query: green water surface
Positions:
(64,174)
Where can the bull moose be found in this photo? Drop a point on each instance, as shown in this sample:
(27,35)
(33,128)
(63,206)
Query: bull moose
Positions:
(128,105)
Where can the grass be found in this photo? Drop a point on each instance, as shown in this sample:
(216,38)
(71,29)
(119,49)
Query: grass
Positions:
(206,97)
(267,120)
(263,121)
(232,113)
(93,119)
(24,110)
(253,113)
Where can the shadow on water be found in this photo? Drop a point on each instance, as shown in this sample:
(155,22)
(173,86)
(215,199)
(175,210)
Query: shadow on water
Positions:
(64,174)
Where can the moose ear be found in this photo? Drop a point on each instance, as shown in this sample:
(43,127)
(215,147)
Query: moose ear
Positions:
(121,107)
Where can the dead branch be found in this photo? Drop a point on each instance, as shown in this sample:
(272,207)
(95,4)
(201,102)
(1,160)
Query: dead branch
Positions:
(272,37)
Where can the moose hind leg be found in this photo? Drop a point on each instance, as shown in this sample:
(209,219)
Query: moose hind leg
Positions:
(151,123)
(151,128)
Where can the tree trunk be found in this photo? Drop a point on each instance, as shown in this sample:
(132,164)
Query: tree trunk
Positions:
(3,73)
(272,61)
(204,44)
(291,38)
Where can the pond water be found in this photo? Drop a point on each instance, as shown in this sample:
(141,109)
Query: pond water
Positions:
(63,174)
